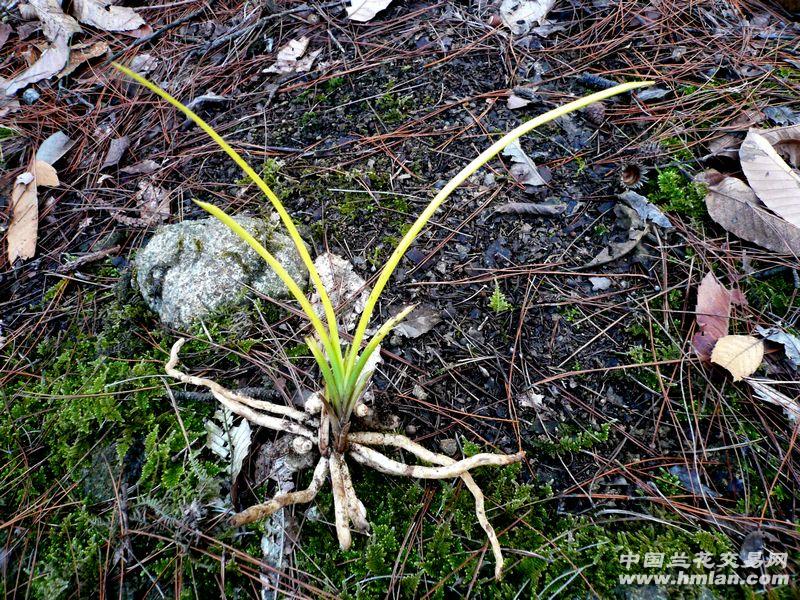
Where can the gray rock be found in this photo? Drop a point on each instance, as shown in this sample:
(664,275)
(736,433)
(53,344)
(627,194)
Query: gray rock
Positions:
(190,269)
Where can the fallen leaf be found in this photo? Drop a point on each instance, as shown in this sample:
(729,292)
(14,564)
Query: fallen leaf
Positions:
(786,141)
(5,31)
(107,16)
(647,210)
(713,313)
(727,145)
(733,205)
(782,115)
(522,95)
(515,101)
(143,64)
(141,168)
(80,54)
(520,15)
(116,150)
(152,202)
(421,320)
(24,224)
(58,28)
(51,62)
(199,101)
(54,147)
(790,343)
(652,93)
(619,249)
(767,393)
(365,10)
(55,24)
(44,173)
(600,284)
(289,58)
(741,355)
(524,170)
(773,181)
(548,209)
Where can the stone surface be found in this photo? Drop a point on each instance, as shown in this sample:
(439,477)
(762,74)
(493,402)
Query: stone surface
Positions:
(190,269)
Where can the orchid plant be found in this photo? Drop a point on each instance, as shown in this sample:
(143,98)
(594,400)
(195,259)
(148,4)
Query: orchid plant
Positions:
(346,368)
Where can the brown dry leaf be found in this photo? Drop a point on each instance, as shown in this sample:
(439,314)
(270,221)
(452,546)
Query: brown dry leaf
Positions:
(524,169)
(5,31)
(741,355)
(773,181)
(289,58)
(713,313)
(786,141)
(106,16)
(44,173)
(365,10)
(81,53)
(144,167)
(55,24)
(732,204)
(24,224)
(58,28)
(617,250)
(52,60)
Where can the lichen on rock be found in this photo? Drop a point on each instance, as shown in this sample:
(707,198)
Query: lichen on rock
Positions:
(188,270)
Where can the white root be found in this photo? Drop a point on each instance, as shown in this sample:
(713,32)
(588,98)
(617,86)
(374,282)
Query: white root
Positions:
(347,507)
(238,404)
(384,464)
(401,441)
(261,511)
(340,502)
(356,510)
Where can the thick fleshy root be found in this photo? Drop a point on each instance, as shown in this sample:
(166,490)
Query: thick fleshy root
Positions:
(348,509)
(262,511)
(401,441)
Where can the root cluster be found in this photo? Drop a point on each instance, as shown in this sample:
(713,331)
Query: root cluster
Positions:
(311,427)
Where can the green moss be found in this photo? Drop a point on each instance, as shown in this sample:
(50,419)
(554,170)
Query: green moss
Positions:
(674,192)
(393,108)
(773,294)
(574,440)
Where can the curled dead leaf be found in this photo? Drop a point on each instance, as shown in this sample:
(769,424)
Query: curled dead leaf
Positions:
(524,169)
(733,205)
(786,141)
(741,355)
(713,312)
(365,10)
(521,15)
(290,58)
(775,183)
(107,16)
(619,249)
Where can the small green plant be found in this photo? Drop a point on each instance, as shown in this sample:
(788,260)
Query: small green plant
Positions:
(346,369)
(674,192)
(498,301)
